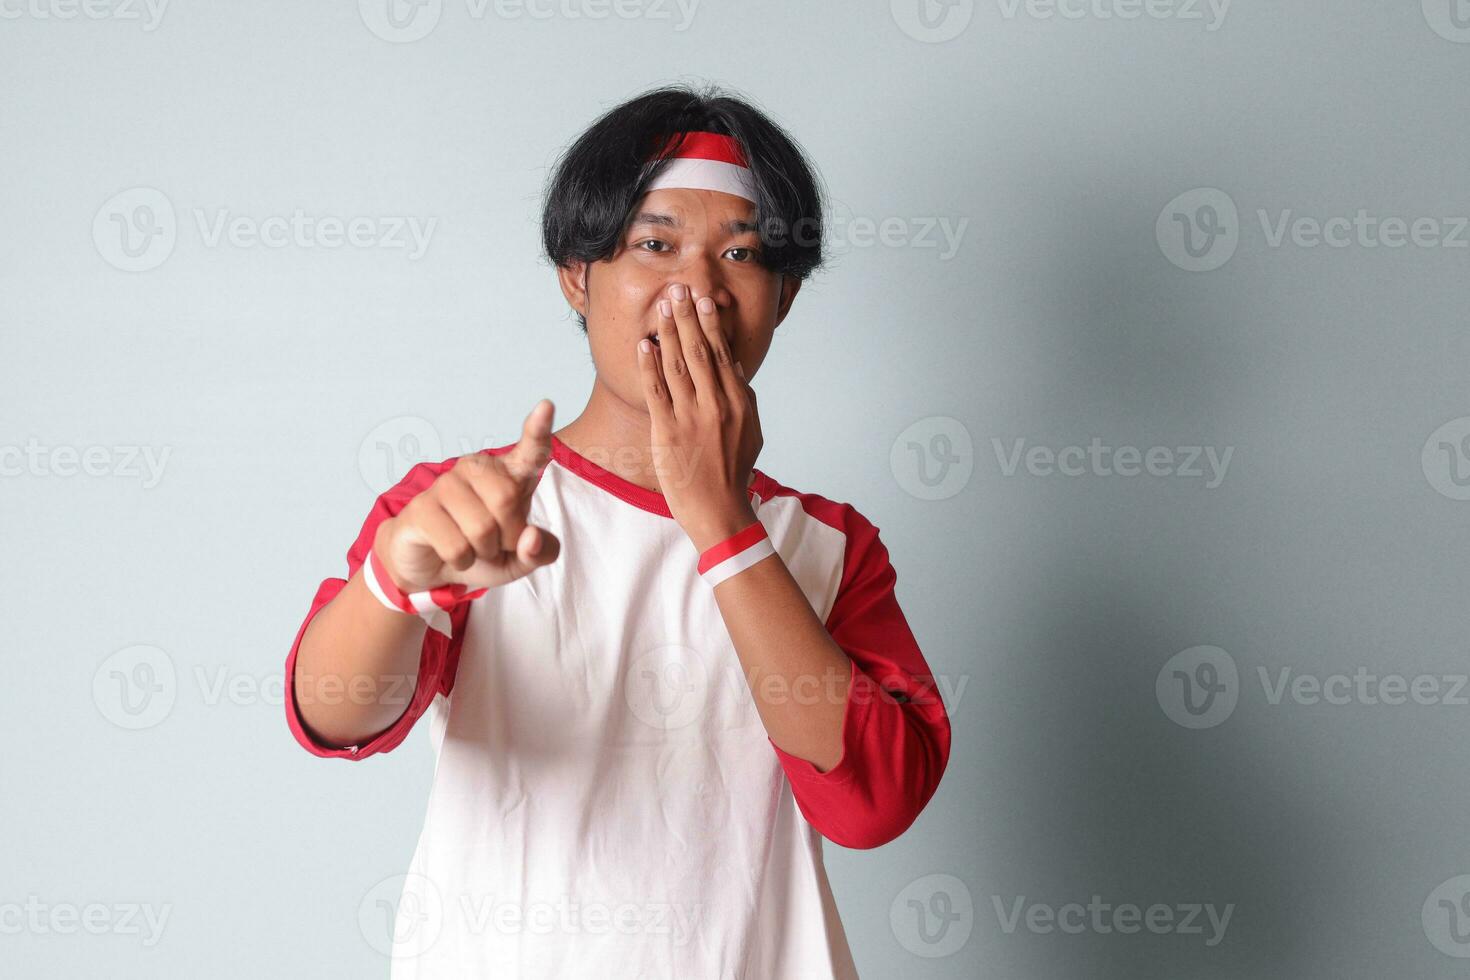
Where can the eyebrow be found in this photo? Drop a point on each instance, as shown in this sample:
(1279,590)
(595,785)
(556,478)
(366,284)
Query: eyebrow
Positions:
(734,226)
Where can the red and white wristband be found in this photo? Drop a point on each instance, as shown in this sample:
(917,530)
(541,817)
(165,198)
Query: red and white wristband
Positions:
(735,554)
(432,605)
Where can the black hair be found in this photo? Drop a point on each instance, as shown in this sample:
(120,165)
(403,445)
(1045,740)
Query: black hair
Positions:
(597,181)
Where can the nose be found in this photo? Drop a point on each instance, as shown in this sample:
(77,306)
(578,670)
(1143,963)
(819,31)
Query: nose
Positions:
(700,285)
(702,276)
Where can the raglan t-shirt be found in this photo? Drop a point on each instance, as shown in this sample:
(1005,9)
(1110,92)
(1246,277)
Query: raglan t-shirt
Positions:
(606,801)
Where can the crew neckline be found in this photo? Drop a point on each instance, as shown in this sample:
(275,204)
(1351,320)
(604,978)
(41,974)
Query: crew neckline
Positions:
(624,489)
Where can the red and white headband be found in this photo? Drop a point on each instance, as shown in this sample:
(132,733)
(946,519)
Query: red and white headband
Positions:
(705,161)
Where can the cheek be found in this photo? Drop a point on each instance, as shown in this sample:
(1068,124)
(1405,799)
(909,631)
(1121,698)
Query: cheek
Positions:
(621,320)
(626,307)
(637,297)
(752,349)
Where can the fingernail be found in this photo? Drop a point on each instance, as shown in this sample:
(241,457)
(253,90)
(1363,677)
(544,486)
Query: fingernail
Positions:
(705,304)
(740,369)
(678,291)
(665,307)
(645,345)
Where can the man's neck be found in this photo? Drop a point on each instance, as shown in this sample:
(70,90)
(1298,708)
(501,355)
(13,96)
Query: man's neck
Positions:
(617,437)
(614,435)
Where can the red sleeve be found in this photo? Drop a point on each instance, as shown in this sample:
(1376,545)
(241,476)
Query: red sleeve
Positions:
(895,730)
(440,654)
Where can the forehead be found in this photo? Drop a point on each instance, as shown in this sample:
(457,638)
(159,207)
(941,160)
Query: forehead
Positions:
(683,207)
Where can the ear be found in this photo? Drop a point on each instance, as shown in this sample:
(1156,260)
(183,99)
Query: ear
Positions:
(573,279)
(790,286)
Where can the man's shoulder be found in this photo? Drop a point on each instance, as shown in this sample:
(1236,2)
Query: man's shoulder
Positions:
(834,512)
(421,475)
(861,558)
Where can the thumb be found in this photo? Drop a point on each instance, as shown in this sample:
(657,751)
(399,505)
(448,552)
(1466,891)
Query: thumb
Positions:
(534,448)
(536,547)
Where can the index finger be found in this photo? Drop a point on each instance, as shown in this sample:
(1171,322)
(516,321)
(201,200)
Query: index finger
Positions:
(528,457)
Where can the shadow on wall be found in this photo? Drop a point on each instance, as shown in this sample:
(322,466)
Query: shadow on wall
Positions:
(1105,795)
(1099,792)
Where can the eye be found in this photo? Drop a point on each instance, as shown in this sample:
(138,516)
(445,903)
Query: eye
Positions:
(753,253)
(651,241)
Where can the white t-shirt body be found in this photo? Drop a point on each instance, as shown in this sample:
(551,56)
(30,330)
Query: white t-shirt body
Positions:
(606,802)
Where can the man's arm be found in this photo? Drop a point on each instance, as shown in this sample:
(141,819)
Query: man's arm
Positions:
(849,705)
(356,667)
(797,672)
(360,672)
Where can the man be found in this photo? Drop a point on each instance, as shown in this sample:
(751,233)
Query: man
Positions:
(656,677)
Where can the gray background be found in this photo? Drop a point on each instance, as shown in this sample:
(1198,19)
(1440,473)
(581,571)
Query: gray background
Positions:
(1335,543)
